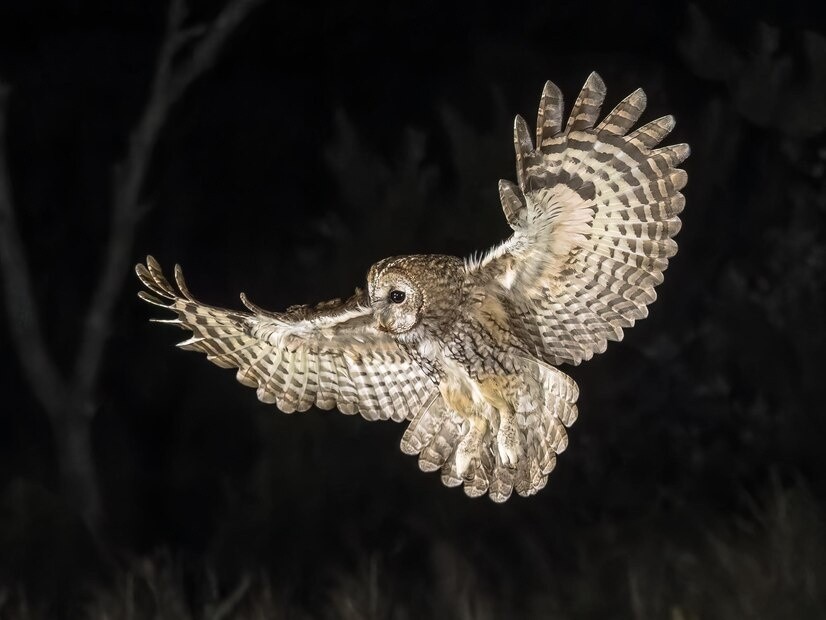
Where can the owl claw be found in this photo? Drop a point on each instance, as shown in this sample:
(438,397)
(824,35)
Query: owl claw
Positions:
(466,459)
(469,452)
(507,441)
(468,469)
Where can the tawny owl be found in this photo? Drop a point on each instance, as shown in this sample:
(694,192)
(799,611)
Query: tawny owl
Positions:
(466,350)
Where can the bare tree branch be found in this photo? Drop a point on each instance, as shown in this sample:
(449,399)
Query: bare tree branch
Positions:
(39,368)
(203,56)
(228,605)
(169,84)
(186,53)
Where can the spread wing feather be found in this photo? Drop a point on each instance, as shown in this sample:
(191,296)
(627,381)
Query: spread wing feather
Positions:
(329,355)
(594,215)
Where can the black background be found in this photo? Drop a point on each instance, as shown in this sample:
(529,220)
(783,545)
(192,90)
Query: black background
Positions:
(327,137)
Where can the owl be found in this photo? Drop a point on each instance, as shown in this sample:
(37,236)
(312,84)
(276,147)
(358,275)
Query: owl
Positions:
(467,351)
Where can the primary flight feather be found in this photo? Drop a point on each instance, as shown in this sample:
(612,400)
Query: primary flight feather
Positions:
(466,350)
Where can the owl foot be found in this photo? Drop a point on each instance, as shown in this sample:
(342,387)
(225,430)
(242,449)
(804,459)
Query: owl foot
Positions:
(507,439)
(469,450)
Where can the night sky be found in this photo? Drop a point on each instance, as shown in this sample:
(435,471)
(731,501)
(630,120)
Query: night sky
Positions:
(324,138)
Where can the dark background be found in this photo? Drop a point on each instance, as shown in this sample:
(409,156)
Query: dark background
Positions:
(327,137)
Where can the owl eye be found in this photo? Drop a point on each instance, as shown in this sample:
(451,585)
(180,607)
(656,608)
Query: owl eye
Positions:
(397,296)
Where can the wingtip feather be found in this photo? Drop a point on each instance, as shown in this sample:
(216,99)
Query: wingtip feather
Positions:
(181,282)
(521,135)
(523,145)
(596,83)
(151,299)
(253,307)
(513,203)
(551,91)
(549,117)
(585,111)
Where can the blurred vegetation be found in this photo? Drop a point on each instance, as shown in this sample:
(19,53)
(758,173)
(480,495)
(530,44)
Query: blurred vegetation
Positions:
(770,564)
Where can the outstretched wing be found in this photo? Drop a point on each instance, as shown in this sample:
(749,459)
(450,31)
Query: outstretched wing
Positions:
(329,355)
(593,214)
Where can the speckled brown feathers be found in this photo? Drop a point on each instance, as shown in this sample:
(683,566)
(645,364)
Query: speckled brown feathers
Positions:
(466,350)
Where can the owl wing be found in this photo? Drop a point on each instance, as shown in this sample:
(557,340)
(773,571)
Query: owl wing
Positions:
(593,215)
(329,355)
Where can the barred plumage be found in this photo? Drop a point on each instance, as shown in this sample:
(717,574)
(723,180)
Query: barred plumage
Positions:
(324,356)
(466,351)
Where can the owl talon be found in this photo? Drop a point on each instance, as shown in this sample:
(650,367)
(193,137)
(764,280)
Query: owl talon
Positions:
(469,450)
(469,472)
(467,458)
(507,440)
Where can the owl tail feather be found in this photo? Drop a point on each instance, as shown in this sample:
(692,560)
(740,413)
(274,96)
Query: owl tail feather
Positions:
(544,407)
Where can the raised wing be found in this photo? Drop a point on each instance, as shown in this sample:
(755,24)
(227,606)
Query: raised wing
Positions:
(329,355)
(593,214)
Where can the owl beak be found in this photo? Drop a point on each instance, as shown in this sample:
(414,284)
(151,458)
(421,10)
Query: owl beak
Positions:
(381,325)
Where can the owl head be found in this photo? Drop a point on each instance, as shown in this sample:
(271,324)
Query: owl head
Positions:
(411,291)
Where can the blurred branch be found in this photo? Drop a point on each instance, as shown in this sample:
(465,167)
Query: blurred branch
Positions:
(186,53)
(169,84)
(27,335)
(771,85)
(228,605)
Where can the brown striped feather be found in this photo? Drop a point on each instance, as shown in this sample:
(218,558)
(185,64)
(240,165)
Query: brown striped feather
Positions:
(594,212)
(601,208)
(359,368)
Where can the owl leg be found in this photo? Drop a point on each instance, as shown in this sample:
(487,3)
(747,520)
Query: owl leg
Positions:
(469,450)
(495,388)
(507,439)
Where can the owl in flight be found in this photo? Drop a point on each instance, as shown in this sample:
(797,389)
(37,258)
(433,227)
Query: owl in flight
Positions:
(467,350)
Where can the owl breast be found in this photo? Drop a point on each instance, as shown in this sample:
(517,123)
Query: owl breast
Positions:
(482,403)
(460,391)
